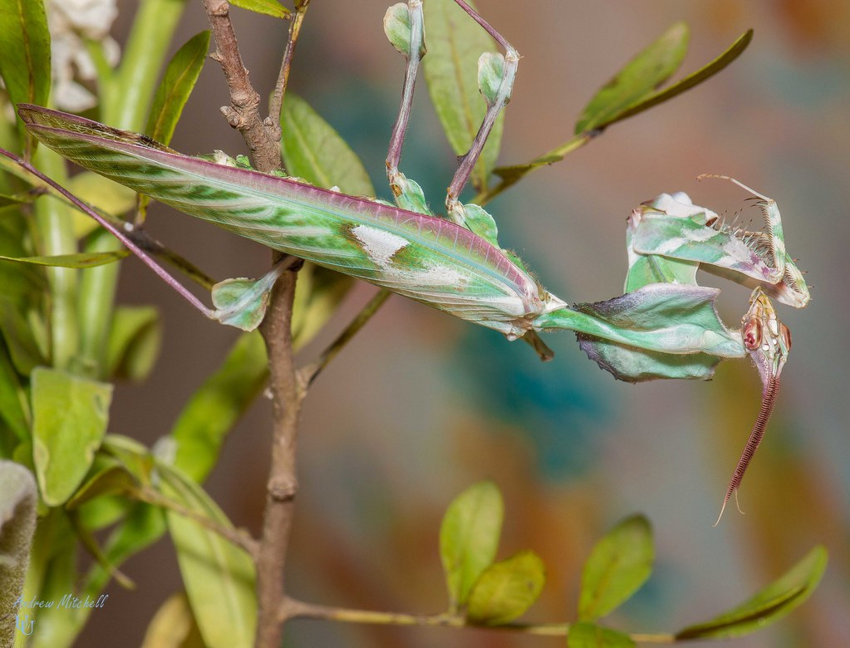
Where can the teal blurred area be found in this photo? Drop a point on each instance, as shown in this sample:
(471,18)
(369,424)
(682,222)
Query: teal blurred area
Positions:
(420,405)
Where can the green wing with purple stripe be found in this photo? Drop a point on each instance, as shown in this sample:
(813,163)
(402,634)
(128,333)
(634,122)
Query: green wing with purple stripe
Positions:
(427,259)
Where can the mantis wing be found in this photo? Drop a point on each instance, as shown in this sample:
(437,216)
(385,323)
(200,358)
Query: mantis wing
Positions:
(427,259)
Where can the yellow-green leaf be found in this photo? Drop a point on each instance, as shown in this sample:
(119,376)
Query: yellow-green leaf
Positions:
(769,605)
(25,51)
(469,538)
(214,408)
(506,589)
(694,79)
(618,565)
(173,625)
(81,260)
(177,84)
(70,415)
(266,7)
(589,635)
(218,576)
(134,342)
(455,42)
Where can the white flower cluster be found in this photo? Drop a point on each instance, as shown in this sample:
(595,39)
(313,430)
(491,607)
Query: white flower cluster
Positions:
(72,22)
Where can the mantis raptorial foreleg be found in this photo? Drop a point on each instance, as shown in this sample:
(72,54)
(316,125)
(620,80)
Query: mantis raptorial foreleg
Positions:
(669,238)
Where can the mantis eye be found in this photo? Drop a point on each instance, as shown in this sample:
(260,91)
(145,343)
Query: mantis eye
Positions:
(785,332)
(752,334)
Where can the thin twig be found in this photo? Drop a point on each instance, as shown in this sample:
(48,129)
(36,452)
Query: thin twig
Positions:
(273,120)
(238,537)
(311,371)
(243,113)
(288,393)
(293,609)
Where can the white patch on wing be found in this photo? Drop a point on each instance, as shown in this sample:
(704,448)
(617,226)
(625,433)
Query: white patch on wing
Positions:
(379,244)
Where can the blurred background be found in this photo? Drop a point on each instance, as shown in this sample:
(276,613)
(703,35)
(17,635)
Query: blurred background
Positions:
(421,405)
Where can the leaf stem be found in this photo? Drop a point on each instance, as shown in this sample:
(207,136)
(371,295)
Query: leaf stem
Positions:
(238,537)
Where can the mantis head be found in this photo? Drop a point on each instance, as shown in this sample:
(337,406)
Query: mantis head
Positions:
(766,339)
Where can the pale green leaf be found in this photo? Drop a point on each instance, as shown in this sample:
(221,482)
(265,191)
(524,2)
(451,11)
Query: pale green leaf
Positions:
(506,589)
(218,576)
(81,260)
(769,605)
(267,7)
(214,408)
(589,635)
(469,538)
(134,342)
(638,78)
(176,86)
(619,564)
(455,42)
(18,499)
(70,415)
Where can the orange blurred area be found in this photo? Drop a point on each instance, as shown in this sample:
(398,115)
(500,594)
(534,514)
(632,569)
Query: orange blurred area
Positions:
(420,405)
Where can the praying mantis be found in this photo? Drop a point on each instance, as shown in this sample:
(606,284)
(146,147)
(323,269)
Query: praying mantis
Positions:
(664,326)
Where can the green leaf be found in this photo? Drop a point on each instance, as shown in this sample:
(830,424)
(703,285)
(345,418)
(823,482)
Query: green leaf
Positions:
(135,457)
(82,260)
(314,151)
(173,625)
(214,408)
(218,576)
(134,342)
(25,51)
(455,43)
(176,86)
(143,525)
(619,564)
(589,635)
(638,78)
(20,334)
(506,589)
(108,476)
(690,81)
(772,603)
(18,499)
(469,538)
(266,7)
(18,199)
(70,415)
(14,406)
